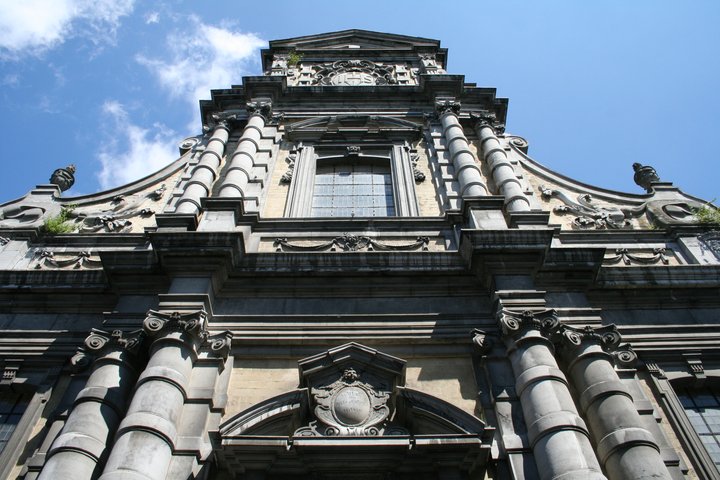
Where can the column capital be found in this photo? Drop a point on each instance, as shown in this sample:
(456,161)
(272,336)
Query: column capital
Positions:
(447,105)
(219,344)
(194,323)
(514,322)
(487,119)
(260,107)
(606,337)
(482,342)
(100,342)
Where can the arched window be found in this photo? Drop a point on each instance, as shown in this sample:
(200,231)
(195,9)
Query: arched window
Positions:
(353,190)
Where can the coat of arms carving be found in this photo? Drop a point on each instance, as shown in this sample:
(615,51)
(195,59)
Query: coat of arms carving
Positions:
(348,407)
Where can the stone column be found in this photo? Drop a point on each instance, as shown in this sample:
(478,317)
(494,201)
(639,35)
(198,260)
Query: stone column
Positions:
(467,172)
(625,448)
(146,437)
(205,172)
(82,445)
(243,159)
(503,173)
(558,436)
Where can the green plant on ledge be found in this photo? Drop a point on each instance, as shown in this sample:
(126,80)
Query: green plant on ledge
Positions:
(59,223)
(294,58)
(707,214)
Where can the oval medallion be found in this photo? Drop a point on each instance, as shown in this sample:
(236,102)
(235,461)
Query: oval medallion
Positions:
(351,406)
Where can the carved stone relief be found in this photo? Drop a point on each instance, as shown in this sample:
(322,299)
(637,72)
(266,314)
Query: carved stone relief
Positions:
(588,214)
(353,73)
(623,255)
(348,407)
(118,217)
(47,259)
(20,215)
(350,243)
(711,241)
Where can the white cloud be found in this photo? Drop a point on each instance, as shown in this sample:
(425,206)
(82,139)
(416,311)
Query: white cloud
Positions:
(33,26)
(203,58)
(152,17)
(131,151)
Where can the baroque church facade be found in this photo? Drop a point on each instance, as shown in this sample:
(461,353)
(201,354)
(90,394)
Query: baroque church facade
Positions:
(354,272)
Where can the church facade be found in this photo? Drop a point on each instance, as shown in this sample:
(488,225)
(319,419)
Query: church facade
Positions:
(355,272)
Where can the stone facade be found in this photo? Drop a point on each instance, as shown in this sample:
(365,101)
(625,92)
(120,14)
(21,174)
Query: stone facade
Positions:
(355,272)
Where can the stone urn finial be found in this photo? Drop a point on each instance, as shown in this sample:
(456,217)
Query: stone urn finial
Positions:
(63,177)
(645,176)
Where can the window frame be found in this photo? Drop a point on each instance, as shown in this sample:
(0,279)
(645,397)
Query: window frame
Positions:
(302,187)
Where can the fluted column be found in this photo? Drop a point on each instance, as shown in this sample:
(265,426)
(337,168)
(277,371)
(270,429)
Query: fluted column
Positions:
(243,159)
(625,448)
(467,172)
(82,445)
(502,171)
(205,172)
(146,437)
(557,435)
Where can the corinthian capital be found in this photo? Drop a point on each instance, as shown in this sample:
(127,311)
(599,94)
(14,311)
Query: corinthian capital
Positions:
(194,323)
(513,323)
(488,119)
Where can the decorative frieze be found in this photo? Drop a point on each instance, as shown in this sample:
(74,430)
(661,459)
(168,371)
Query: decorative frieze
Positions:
(350,243)
(47,259)
(623,255)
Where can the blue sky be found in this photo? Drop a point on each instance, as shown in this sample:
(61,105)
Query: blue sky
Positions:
(112,85)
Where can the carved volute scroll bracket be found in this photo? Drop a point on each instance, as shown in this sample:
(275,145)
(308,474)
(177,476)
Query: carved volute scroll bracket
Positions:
(482,342)
(513,323)
(488,119)
(193,323)
(290,160)
(219,344)
(4,241)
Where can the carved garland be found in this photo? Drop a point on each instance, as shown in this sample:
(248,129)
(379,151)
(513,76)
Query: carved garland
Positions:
(350,243)
(79,260)
(622,254)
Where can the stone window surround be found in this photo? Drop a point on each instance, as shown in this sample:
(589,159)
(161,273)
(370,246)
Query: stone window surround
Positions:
(37,394)
(664,388)
(299,201)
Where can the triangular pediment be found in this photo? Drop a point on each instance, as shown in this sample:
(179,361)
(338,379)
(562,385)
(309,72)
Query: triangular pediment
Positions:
(355,39)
